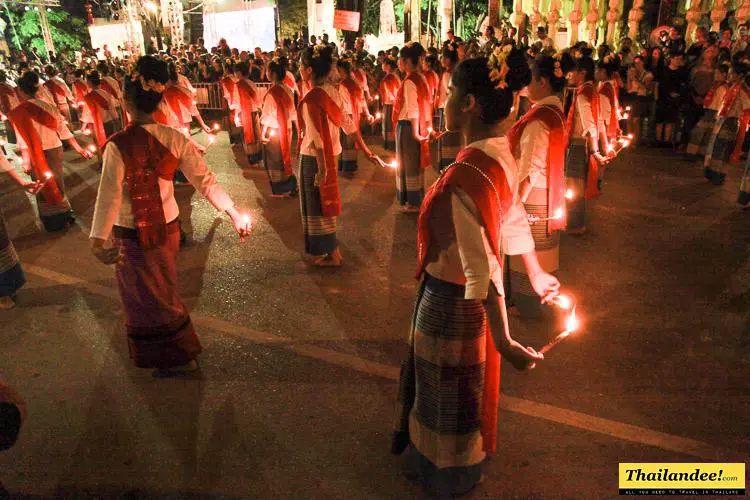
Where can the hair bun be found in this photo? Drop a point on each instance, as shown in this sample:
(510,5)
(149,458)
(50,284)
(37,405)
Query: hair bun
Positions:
(519,74)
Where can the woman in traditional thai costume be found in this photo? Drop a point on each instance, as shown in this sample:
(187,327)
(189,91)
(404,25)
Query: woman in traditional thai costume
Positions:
(11,273)
(355,106)
(79,89)
(538,143)
(387,90)
(446,417)
(430,68)
(701,134)
(247,103)
(183,104)
(59,90)
(40,128)
(609,109)
(276,120)
(584,156)
(136,205)
(412,118)
(111,86)
(100,111)
(9,99)
(724,137)
(228,87)
(450,142)
(320,118)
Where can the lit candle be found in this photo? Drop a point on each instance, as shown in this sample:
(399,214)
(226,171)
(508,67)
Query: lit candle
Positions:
(91,148)
(533,219)
(47,176)
(216,127)
(630,136)
(430,130)
(569,194)
(610,148)
(246,221)
(86,131)
(562,301)
(377,97)
(393,165)
(571,325)
(627,108)
(3,117)
(378,115)
(272,132)
(626,116)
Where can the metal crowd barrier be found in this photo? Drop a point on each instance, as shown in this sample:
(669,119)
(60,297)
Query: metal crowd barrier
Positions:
(209,98)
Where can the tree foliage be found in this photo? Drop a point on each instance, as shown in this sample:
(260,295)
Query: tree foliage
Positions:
(292,17)
(68,33)
(469,12)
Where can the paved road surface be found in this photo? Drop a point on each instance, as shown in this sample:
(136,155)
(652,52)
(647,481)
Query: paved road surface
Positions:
(300,364)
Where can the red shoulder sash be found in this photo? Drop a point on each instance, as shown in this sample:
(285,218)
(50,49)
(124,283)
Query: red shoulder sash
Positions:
(356,95)
(96,103)
(146,160)
(323,109)
(23,117)
(248,101)
(425,111)
(553,120)
(283,104)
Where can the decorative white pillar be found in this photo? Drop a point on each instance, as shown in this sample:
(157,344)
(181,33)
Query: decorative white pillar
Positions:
(693,16)
(518,15)
(535,19)
(553,18)
(634,18)
(575,17)
(718,13)
(613,14)
(446,17)
(592,19)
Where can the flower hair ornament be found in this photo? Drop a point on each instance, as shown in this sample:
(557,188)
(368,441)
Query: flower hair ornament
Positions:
(558,69)
(498,66)
(150,85)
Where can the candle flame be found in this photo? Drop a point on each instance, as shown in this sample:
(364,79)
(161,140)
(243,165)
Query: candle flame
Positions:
(216,126)
(572,323)
(272,133)
(3,117)
(627,108)
(626,116)
(558,213)
(378,115)
(563,301)
(630,136)
(48,175)
(610,148)
(430,130)
(377,97)
(246,220)
(86,131)
(92,148)
(393,165)
(569,194)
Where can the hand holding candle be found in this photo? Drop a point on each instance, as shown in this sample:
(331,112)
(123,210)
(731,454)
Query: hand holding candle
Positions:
(571,325)
(533,219)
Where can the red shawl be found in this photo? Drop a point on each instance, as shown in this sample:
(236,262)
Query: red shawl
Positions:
(289,81)
(283,104)
(356,96)
(56,89)
(108,88)
(79,91)
(608,90)
(178,98)
(553,120)
(711,93)
(730,97)
(483,179)
(5,92)
(96,102)
(588,91)
(389,85)
(361,78)
(248,101)
(228,85)
(304,88)
(23,117)
(146,161)
(425,111)
(323,110)
(433,82)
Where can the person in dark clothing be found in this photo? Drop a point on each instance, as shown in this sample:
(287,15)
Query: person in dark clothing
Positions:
(671,96)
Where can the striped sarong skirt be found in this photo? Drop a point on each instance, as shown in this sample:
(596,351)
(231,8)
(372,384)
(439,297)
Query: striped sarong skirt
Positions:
(160,333)
(386,128)
(11,273)
(576,172)
(409,176)
(254,151)
(440,393)
(701,133)
(744,196)
(281,183)
(319,231)
(55,216)
(448,146)
(10,132)
(348,159)
(547,249)
(720,147)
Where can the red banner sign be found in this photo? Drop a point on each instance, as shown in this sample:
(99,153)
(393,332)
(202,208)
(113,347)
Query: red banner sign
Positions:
(346,20)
